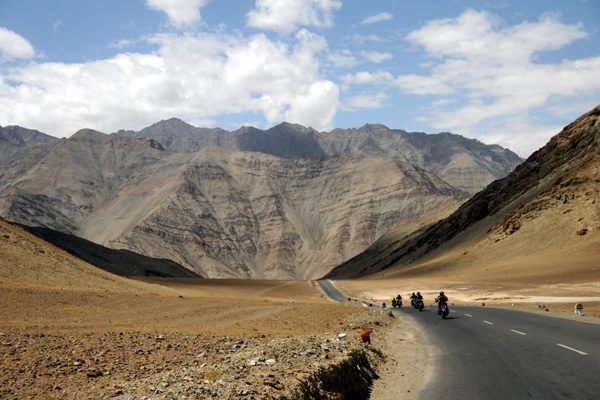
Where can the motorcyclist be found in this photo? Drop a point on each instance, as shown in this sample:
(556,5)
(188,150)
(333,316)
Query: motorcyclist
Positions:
(413,299)
(441,300)
(399,300)
(394,303)
(419,296)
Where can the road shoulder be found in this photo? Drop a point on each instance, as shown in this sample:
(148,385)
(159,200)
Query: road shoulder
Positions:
(407,364)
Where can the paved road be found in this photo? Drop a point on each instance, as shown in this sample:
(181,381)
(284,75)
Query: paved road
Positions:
(488,353)
(331,291)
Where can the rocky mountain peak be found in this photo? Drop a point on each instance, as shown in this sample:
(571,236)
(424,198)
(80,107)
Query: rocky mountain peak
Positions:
(20,136)
(88,135)
(373,128)
(171,123)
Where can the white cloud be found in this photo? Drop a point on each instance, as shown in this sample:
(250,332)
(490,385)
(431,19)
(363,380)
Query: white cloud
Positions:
(196,77)
(13,46)
(368,78)
(377,56)
(286,16)
(480,36)
(365,101)
(181,13)
(343,59)
(56,25)
(121,44)
(483,70)
(384,16)
(362,39)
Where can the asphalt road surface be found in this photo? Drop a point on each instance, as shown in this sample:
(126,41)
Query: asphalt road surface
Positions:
(487,353)
(331,291)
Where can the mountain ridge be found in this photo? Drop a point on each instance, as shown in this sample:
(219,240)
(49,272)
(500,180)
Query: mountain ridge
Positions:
(280,203)
(223,213)
(564,172)
(467,164)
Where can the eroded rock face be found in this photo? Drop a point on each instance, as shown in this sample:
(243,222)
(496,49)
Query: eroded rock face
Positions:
(223,213)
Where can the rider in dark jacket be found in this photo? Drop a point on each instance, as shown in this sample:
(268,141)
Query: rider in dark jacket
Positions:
(441,299)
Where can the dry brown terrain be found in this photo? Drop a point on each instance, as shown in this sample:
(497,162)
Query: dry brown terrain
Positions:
(70,331)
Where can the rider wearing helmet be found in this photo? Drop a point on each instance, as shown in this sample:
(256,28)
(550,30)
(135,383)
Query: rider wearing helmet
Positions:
(441,299)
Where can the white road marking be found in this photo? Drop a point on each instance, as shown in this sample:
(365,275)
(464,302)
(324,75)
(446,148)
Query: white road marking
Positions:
(488,322)
(452,311)
(519,332)
(572,349)
(469,315)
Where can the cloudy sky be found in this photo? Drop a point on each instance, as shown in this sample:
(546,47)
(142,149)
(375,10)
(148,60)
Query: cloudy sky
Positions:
(507,72)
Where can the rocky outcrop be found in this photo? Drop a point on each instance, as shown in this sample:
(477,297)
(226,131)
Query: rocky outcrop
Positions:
(565,171)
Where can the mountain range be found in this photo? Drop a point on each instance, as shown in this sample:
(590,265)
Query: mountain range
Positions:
(542,220)
(466,164)
(288,202)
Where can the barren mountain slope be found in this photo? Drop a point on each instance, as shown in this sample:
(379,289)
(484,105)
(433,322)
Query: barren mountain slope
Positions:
(29,263)
(120,262)
(75,177)
(543,220)
(466,164)
(252,215)
(20,149)
(223,213)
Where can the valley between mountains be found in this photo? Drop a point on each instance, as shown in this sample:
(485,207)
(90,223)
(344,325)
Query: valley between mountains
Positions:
(285,203)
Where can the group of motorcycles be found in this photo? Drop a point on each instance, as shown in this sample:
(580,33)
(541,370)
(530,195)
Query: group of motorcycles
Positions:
(417,303)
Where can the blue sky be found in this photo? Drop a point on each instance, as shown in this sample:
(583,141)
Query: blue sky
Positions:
(507,72)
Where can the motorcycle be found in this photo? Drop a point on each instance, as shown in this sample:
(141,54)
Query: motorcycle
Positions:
(443,310)
(419,305)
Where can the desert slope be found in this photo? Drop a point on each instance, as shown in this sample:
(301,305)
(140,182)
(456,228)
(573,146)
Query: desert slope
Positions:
(540,223)
(29,263)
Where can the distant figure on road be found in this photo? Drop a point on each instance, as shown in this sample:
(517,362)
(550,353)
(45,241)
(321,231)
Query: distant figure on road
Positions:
(383,306)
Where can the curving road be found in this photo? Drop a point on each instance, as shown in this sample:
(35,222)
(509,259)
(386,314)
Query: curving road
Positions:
(488,353)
